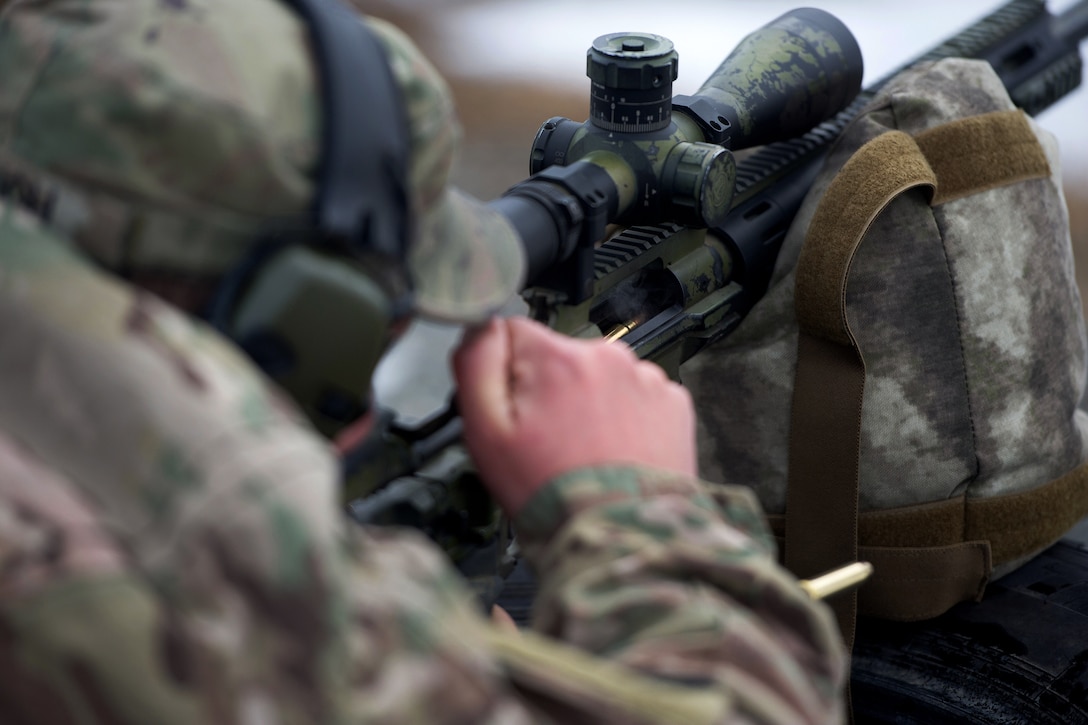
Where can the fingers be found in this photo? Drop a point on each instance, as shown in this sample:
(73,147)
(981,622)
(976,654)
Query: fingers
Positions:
(537,404)
(502,619)
(481,365)
(542,362)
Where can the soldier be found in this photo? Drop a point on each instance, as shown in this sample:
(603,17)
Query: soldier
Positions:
(171,542)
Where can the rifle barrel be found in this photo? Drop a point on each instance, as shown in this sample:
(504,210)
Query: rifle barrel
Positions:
(1072,25)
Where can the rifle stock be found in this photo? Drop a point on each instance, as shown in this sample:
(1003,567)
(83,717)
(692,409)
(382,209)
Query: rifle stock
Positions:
(667,288)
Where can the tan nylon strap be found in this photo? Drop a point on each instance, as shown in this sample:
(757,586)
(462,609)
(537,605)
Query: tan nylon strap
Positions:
(821,505)
(910,584)
(821,512)
(962,539)
(821,521)
(915,584)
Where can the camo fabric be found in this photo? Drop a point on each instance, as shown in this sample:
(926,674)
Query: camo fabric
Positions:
(172,551)
(967,315)
(197,131)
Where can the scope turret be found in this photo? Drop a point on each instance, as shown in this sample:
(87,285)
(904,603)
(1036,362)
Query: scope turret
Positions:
(631,77)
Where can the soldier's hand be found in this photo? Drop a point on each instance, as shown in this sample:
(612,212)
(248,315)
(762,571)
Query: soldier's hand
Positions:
(537,404)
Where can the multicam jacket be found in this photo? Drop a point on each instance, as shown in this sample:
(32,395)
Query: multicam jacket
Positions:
(172,550)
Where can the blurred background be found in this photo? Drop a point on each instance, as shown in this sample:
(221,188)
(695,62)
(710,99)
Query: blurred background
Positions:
(512,64)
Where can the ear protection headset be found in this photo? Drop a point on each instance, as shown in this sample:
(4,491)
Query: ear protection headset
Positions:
(316,307)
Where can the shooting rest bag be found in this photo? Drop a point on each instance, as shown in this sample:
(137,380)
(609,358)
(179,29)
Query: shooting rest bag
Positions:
(906,393)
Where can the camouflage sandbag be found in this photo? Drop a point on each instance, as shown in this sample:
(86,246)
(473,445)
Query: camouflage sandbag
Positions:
(906,393)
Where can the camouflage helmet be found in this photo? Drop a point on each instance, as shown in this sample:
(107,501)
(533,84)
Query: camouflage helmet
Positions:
(165,136)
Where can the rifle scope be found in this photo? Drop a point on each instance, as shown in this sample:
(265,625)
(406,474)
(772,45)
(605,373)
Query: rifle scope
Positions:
(644,156)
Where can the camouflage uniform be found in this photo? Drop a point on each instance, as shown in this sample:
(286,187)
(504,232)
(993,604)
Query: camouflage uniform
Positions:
(172,547)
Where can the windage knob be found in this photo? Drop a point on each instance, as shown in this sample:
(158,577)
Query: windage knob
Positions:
(700,179)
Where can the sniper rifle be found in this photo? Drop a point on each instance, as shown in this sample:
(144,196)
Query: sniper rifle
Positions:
(699,231)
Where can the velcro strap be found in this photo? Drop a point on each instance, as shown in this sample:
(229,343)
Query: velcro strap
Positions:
(983,152)
(878,172)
